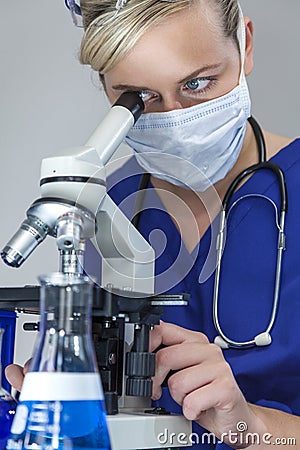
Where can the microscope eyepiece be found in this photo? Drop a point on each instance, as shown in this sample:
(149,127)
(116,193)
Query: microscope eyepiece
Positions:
(133,102)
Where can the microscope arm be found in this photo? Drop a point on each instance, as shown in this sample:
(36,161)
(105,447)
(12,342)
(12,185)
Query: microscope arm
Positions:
(127,258)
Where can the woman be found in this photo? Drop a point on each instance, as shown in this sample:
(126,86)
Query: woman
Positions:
(189,60)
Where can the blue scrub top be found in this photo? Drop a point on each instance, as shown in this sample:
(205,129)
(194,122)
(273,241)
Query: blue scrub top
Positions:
(268,376)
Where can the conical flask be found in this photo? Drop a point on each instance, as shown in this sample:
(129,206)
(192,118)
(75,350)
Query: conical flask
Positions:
(7,405)
(61,404)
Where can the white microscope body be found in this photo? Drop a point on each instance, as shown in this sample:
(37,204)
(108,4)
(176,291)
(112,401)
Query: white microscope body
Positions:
(74,207)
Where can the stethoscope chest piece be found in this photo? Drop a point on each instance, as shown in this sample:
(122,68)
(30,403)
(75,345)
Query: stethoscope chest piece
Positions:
(261,340)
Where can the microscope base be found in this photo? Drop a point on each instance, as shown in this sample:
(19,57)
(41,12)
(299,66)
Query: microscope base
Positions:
(134,431)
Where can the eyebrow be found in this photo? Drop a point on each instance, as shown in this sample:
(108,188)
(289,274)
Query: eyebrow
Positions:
(130,87)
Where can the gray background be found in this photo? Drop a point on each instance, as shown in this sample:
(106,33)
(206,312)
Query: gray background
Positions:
(50,102)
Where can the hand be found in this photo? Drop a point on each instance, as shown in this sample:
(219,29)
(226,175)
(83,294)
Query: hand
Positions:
(15,374)
(204,384)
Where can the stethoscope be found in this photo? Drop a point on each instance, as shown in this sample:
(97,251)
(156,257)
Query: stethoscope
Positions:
(263,338)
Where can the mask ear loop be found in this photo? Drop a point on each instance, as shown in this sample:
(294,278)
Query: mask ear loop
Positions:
(241,37)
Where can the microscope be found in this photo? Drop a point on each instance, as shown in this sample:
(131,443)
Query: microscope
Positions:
(75,208)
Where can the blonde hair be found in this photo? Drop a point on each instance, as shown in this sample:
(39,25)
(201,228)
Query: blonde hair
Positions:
(109,36)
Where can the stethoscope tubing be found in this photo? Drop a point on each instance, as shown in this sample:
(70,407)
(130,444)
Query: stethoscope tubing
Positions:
(264,338)
(262,165)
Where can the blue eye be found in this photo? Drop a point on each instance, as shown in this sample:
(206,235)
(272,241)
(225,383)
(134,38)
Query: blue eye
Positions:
(197,84)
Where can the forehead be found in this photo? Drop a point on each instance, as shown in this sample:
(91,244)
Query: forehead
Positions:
(180,43)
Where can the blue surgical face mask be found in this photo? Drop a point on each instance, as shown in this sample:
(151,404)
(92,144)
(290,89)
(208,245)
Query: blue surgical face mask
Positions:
(195,147)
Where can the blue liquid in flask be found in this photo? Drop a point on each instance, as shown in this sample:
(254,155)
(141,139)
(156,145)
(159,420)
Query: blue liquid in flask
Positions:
(7,413)
(72,425)
(7,405)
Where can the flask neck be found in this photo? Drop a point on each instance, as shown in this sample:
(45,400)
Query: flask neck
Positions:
(65,315)
(64,342)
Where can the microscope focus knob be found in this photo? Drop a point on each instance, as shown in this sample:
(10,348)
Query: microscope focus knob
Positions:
(140,367)
(139,387)
(140,364)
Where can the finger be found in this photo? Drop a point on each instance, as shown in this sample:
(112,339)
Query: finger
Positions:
(170,334)
(221,394)
(178,357)
(26,366)
(207,358)
(198,402)
(14,374)
(189,380)
(155,338)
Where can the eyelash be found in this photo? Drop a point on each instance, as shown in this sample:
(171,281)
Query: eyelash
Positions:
(211,83)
